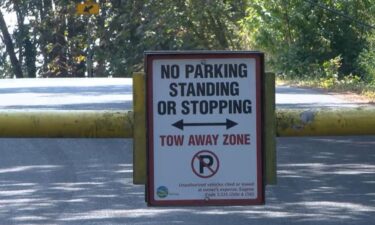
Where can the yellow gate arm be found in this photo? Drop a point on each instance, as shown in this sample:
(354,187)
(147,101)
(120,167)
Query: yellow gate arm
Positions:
(325,122)
(66,124)
(127,124)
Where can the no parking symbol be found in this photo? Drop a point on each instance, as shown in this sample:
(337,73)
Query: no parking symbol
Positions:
(205,164)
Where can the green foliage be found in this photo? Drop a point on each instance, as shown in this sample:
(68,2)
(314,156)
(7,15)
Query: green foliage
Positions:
(301,39)
(366,60)
(331,67)
(330,76)
(169,25)
(300,36)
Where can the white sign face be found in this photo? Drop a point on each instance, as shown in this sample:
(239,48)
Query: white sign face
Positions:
(204,129)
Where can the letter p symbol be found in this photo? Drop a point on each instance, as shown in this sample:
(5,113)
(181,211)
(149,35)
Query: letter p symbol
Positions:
(205,161)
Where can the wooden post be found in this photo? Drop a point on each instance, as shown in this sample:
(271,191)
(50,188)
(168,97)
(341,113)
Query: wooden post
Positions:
(269,129)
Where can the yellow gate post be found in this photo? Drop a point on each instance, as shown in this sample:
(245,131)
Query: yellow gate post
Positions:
(269,129)
(139,139)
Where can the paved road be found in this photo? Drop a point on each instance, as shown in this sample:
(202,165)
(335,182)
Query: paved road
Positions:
(102,93)
(67,94)
(86,181)
(289,97)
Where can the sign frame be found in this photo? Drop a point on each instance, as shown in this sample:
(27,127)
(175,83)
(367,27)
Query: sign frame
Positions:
(150,56)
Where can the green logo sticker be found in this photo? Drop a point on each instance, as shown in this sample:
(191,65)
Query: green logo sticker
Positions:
(162,192)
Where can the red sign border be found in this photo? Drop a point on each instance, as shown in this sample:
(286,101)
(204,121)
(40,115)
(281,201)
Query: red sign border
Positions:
(149,58)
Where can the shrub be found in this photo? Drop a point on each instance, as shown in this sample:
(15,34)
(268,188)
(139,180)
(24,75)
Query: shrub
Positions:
(366,63)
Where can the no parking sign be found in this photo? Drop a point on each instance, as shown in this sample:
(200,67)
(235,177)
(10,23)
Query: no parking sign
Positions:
(204,128)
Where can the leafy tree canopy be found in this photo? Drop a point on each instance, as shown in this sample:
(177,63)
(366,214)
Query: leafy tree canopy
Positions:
(299,37)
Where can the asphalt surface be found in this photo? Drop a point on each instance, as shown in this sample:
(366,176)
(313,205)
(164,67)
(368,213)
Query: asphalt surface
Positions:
(304,98)
(66,94)
(321,180)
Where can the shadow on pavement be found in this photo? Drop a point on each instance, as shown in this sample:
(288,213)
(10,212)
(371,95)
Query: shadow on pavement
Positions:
(87,181)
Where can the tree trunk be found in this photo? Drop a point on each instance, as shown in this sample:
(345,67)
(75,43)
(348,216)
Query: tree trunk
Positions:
(58,54)
(44,8)
(21,31)
(62,60)
(10,48)
(30,57)
(100,68)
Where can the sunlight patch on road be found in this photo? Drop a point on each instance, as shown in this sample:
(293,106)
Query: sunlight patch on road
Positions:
(113,213)
(28,168)
(335,206)
(17,192)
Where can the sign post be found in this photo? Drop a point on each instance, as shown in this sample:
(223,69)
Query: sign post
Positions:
(204,126)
